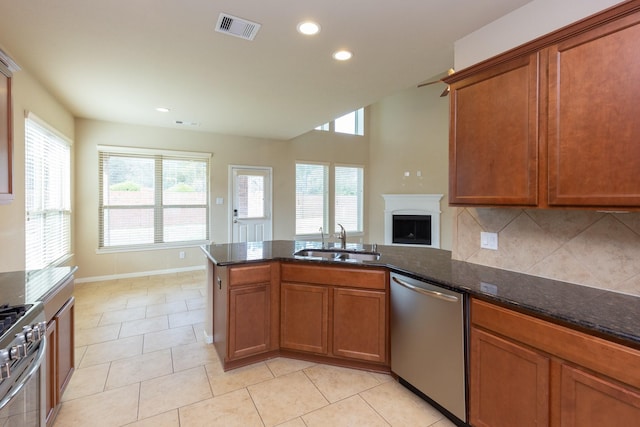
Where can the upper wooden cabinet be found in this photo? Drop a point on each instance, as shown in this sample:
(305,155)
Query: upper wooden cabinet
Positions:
(6,135)
(553,123)
(594,131)
(494,136)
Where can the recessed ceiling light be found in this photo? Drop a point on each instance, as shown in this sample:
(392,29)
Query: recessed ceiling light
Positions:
(163,109)
(308,28)
(342,55)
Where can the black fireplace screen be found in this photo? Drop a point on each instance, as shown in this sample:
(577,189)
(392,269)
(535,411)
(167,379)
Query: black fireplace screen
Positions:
(412,229)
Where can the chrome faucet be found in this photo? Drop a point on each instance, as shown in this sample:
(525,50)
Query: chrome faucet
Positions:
(322,237)
(342,236)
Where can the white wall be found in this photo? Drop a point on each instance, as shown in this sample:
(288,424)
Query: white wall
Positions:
(531,21)
(409,132)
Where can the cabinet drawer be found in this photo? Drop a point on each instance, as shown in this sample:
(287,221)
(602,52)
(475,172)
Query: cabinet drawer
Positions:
(591,352)
(338,276)
(252,274)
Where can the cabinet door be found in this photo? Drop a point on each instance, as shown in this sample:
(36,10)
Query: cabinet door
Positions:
(249,320)
(493,150)
(65,345)
(359,324)
(590,401)
(6,144)
(52,387)
(594,131)
(304,320)
(509,383)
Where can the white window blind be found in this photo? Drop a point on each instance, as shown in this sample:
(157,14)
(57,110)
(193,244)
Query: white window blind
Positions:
(152,198)
(311,198)
(47,195)
(349,185)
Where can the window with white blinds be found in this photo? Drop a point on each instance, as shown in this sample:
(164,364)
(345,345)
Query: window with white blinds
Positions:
(151,198)
(312,198)
(349,187)
(47,195)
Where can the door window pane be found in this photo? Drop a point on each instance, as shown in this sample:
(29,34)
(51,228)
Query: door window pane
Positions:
(250,196)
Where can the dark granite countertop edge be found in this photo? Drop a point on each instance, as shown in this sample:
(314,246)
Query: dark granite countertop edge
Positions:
(582,308)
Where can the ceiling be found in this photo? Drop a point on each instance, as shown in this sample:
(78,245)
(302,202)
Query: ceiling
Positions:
(118,60)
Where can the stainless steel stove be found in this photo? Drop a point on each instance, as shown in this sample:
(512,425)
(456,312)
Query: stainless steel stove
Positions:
(22,368)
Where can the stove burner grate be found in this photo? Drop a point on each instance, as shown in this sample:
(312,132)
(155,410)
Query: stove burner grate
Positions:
(10,314)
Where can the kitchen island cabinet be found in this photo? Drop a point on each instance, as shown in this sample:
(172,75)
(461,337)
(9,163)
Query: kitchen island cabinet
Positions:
(340,312)
(529,372)
(244,305)
(552,123)
(304,320)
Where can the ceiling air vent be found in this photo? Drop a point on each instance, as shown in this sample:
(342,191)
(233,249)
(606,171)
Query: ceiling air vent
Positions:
(238,27)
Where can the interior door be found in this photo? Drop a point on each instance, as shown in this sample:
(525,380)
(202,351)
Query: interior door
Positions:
(250,204)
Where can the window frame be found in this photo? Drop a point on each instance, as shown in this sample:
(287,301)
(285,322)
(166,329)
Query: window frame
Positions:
(158,155)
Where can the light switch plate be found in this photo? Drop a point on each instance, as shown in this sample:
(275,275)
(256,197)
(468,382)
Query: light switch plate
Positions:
(489,240)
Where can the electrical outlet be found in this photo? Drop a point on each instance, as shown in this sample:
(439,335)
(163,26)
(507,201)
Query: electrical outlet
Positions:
(489,240)
(181,254)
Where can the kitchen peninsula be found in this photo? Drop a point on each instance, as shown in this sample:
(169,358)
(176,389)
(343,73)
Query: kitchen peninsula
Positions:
(561,336)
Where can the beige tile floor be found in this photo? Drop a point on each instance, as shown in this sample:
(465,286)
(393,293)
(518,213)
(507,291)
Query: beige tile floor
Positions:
(141,360)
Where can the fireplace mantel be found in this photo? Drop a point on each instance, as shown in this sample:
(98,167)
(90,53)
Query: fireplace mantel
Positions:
(412,204)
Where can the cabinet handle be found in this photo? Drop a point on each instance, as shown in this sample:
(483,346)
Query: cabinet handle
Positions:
(219,283)
(427,292)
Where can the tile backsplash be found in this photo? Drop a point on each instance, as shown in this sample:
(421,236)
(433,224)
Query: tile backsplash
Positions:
(590,248)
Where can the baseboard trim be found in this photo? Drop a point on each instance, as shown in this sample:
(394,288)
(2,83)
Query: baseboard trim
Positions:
(138,274)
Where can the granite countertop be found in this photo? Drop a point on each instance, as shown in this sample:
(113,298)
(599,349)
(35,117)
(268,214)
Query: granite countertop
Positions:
(600,312)
(27,287)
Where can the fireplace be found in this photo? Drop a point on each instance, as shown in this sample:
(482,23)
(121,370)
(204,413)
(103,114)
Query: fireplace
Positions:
(412,220)
(411,229)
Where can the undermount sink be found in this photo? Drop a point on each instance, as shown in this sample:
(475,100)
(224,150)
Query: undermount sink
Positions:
(338,254)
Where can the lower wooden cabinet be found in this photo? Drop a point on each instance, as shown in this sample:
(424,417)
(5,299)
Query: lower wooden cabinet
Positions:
(525,371)
(51,361)
(249,320)
(304,318)
(588,400)
(359,324)
(60,357)
(245,309)
(335,311)
(336,314)
(509,383)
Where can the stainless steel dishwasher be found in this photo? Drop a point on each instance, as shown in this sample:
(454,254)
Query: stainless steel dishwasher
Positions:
(428,343)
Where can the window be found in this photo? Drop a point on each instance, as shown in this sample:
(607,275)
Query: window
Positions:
(351,123)
(313,198)
(47,195)
(151,198)
(349,207)
(312,201)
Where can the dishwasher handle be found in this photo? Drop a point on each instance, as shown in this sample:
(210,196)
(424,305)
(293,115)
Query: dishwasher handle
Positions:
(434,294)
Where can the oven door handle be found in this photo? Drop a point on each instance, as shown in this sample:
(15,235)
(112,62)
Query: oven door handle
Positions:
(24,379)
